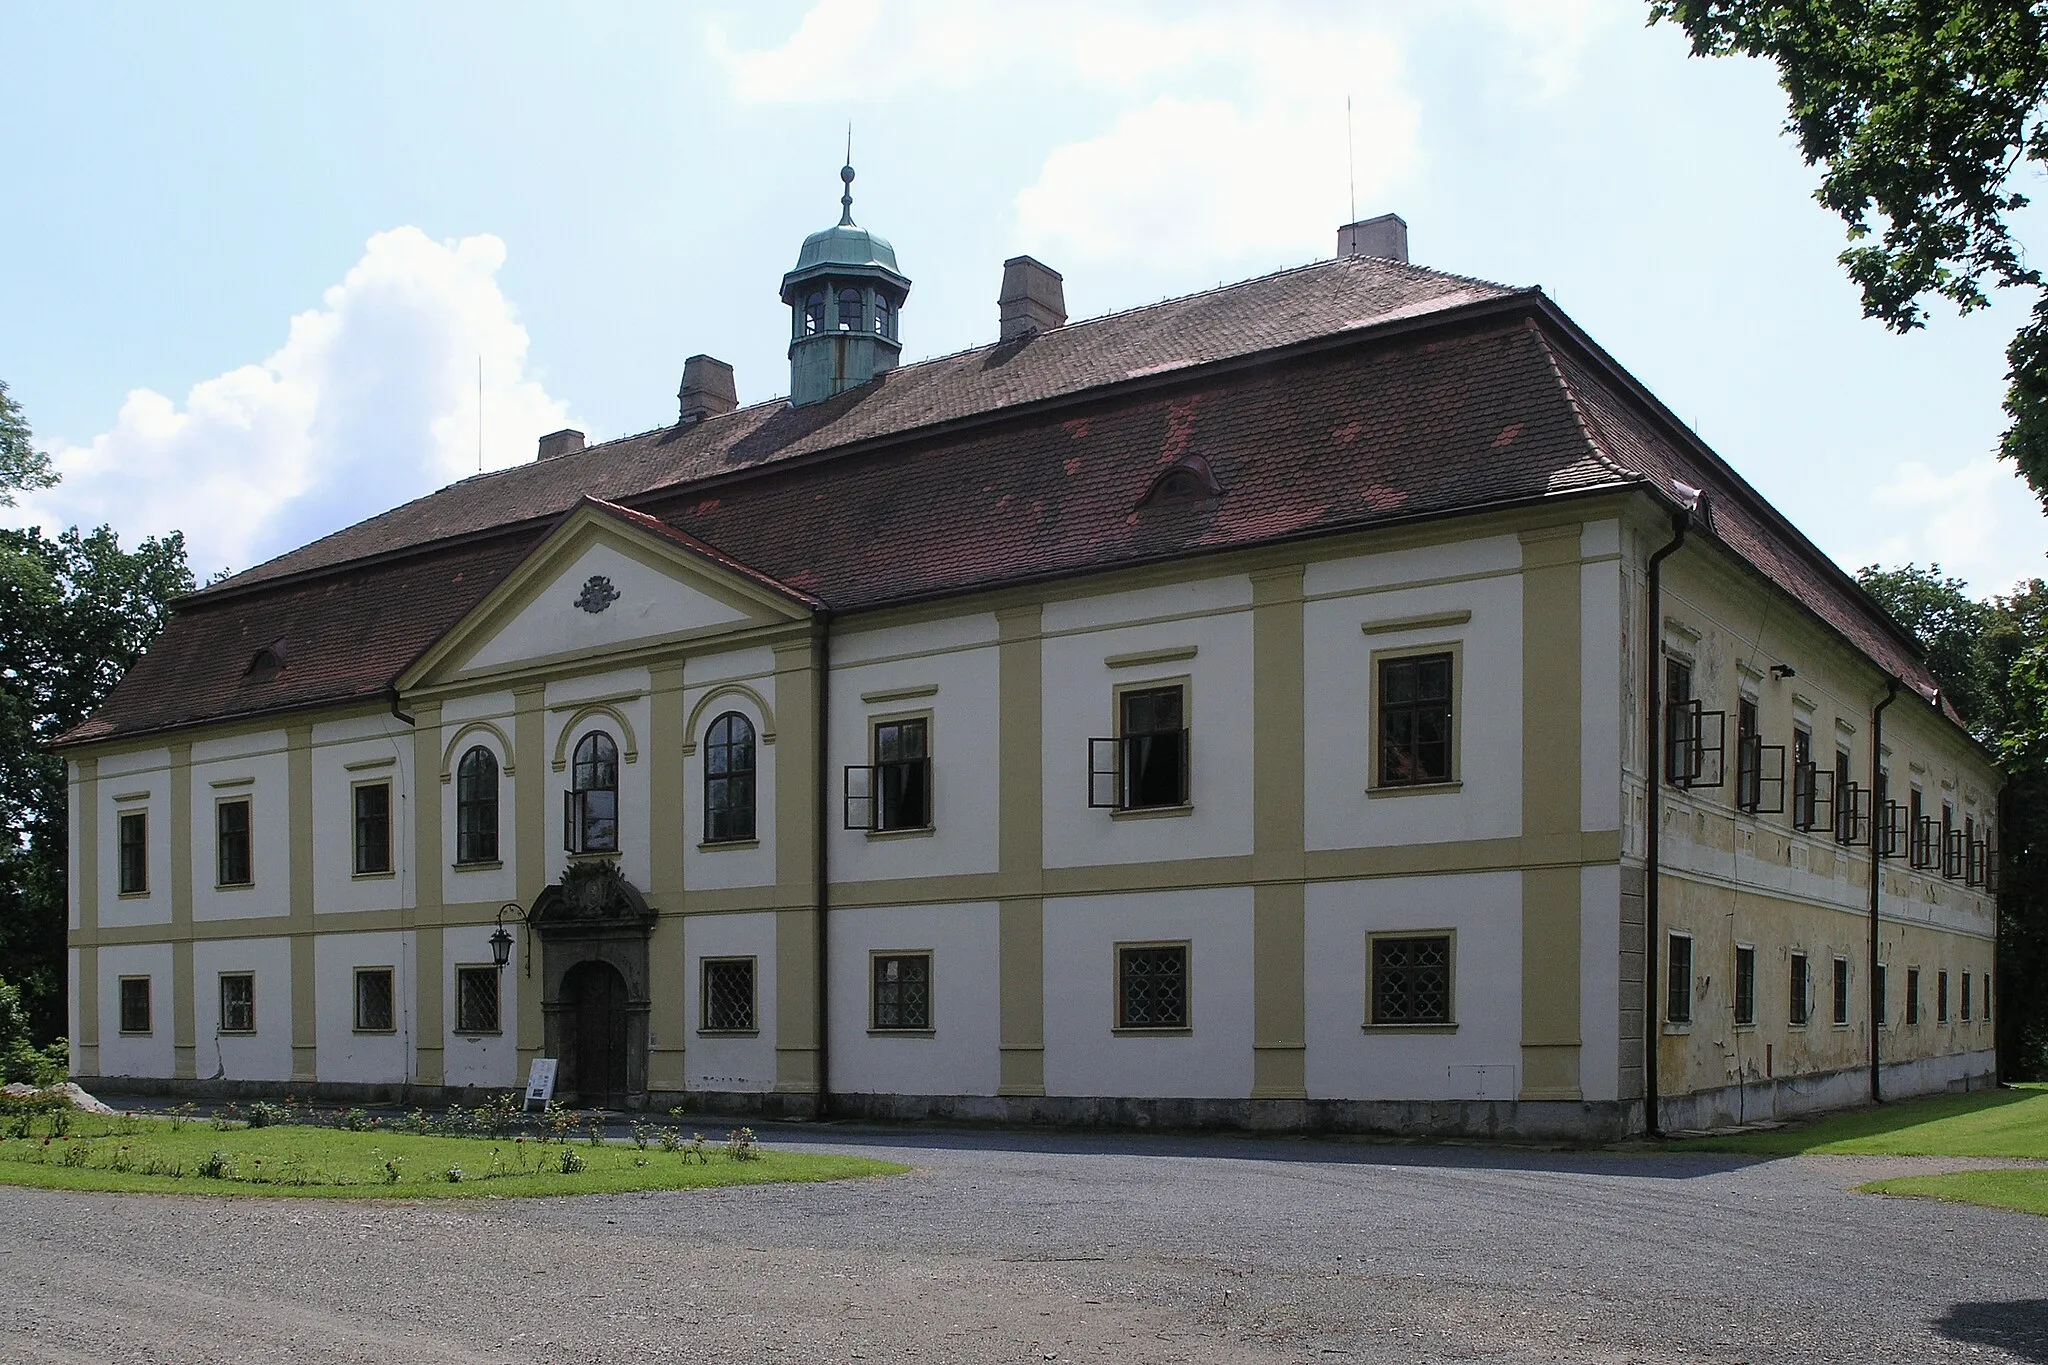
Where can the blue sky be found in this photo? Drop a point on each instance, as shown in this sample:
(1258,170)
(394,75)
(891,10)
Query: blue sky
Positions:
(255,253)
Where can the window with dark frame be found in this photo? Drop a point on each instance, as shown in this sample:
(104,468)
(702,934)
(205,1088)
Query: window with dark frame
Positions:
(1805,781)
(849,310)
(1941,997)
(1745,984)
(375,1001)
(476,1000)
(135,1015)
(1987,997)
(1153,739)
(1916,830)
(1951,854)
(1415,720)
(1800,1001)
(903,775)
(902,998)
(373,828)
(1966,997)
(476,807)
(231,842)
(591,805)
(1749,757)
(728,995)
(1678,979)
(1912,996)
(885,325)
(814,312)
(134,853)
(1883,983)
(1841,1016)
(729,759)
(1152,986)
(238,1002)
(1411,980)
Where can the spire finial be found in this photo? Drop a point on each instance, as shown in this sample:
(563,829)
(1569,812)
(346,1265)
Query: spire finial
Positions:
(846,178)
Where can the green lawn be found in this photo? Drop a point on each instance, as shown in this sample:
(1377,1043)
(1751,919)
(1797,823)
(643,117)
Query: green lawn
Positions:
(159,1156)
(2006,1123)
(2025,1190)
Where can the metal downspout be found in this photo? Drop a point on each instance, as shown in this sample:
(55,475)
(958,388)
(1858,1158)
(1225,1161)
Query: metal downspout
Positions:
(1653,815)
(824,1022)
(1891,693)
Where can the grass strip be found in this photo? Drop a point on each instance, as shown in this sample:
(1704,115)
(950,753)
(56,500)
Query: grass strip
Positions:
(2026,1191)
(1998,1123)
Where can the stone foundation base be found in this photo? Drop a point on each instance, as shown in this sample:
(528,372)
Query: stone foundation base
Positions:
(1789,1097)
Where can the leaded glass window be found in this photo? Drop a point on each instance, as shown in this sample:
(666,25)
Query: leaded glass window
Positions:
(476,1000)
(1411,979)
(238,1002)
(134,853)
(903,991)
(1152,986)
(375,1002)
(1415,720)
(593,804)
(476,807)
(135,1004)
(373,828)
(728,1004)
(729,779)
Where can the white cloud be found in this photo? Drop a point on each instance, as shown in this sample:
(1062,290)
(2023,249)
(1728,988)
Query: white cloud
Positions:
(371,401)
(1980,522)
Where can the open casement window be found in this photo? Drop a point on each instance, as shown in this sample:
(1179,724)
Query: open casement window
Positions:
(373,828)
(729,765)
(1146,766)
(1678,979)
(1813,791)
(590,808)
(1759,767)
(1852,805)
(231,843)
(476,1000)
(237,1002)
(895,791)
(1695,745)
(1895,832)
(134,853)
(1920,833)
(1955,854)
(1799,1004)
(1994,870)
(1415,698)
(1978,869)
(476,807)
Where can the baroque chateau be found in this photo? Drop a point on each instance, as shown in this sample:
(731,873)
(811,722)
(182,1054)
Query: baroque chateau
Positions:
(1343,700)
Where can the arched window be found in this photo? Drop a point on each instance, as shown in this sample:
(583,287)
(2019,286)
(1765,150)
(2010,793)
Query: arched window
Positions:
(591,819)
(814,313)
(476,807)
(849,310)
(885,322)
(729,779)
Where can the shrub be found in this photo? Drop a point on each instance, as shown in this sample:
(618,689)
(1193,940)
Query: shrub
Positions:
(358,1121)
(217,1166)
(572,1161)
(741,1146)
(264,1114)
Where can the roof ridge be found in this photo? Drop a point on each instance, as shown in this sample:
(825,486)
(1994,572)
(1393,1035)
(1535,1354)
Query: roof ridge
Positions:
(1594,440)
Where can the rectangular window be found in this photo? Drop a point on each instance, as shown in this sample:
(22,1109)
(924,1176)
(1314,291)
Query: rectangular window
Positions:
(1966,997)
(1411,980)
(1678,980)
(895,791)
(1800,1003)
(134,853)
(902,992)
(1806,802)
(1883,996)
(1415,720)
(231,841)
(1951,850)
(373,828)
(374,1000)
(1745,984)
(1987,997)
(1680,738)
(1152,985)
(1941,997)
(1848,797)
(237,1002)
(1912,996)
(1916,829)
(1841,992)
(728,995)
(476,1000)
(135,1004)
(1152,739)
(1749,757)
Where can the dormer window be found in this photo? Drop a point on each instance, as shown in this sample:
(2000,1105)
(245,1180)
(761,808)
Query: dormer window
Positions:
(1186,480)
(814,313)
(849,310)
(264,665)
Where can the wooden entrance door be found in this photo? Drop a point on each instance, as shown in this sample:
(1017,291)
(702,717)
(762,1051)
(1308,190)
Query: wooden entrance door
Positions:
(598,1035)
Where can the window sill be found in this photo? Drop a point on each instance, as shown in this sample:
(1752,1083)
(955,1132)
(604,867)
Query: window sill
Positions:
(141,895)
(594,855)
(374,1032)
(1671,1029)
(728,1033)
(1749,1027)
(1410,1028)
(492,866)
(1153,1032)
(234,886)
(727,845)
(1152,812)
(903,1033)
(1839,1028)
(234,1033)
(137,1032)
(479,1033)
(1416,789)
(921,832)
(372,876)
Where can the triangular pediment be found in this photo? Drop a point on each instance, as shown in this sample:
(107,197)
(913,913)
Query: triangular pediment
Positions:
(605,580)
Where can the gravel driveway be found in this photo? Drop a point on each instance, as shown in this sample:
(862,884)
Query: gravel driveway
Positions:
(1004,1247)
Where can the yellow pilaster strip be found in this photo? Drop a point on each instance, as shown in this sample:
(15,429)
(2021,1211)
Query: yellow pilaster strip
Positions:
(85,840)
(797,768)
(530,821)
(429,867)
(1020,933)
(299,834)
(1279,930)
(184,990)
(1551,722)
(667,1027)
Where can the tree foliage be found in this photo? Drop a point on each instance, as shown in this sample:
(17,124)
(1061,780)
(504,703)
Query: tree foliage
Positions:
(1921,115)
(22,466)
(1992,658)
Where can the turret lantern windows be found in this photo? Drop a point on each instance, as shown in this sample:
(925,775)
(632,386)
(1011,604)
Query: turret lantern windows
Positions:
(590,821)
(476,807)
(885,320)
(814,313)
(849,310)
(729,779)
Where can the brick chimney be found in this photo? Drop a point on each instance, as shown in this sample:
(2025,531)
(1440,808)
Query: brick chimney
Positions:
(1034,299)
(707,390)
(1385,237)
(565,442)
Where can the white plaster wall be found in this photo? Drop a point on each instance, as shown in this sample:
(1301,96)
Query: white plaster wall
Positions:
(919,638)
(480,884)
(1487,711)
(154,906)
(1600,656)
(1195,598)
(1372,573)
(384,740)
(966,777)
(262,758)
(73,975)
(1484,910)
(1600,982)
(73,801)
(1083,1053)
(266,1054)
(650,604)
(346,1055)
(564,700)
(962,1054)
(719,866)
(485,1059)
(150,1054)
(724,1061)
(1080,705)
